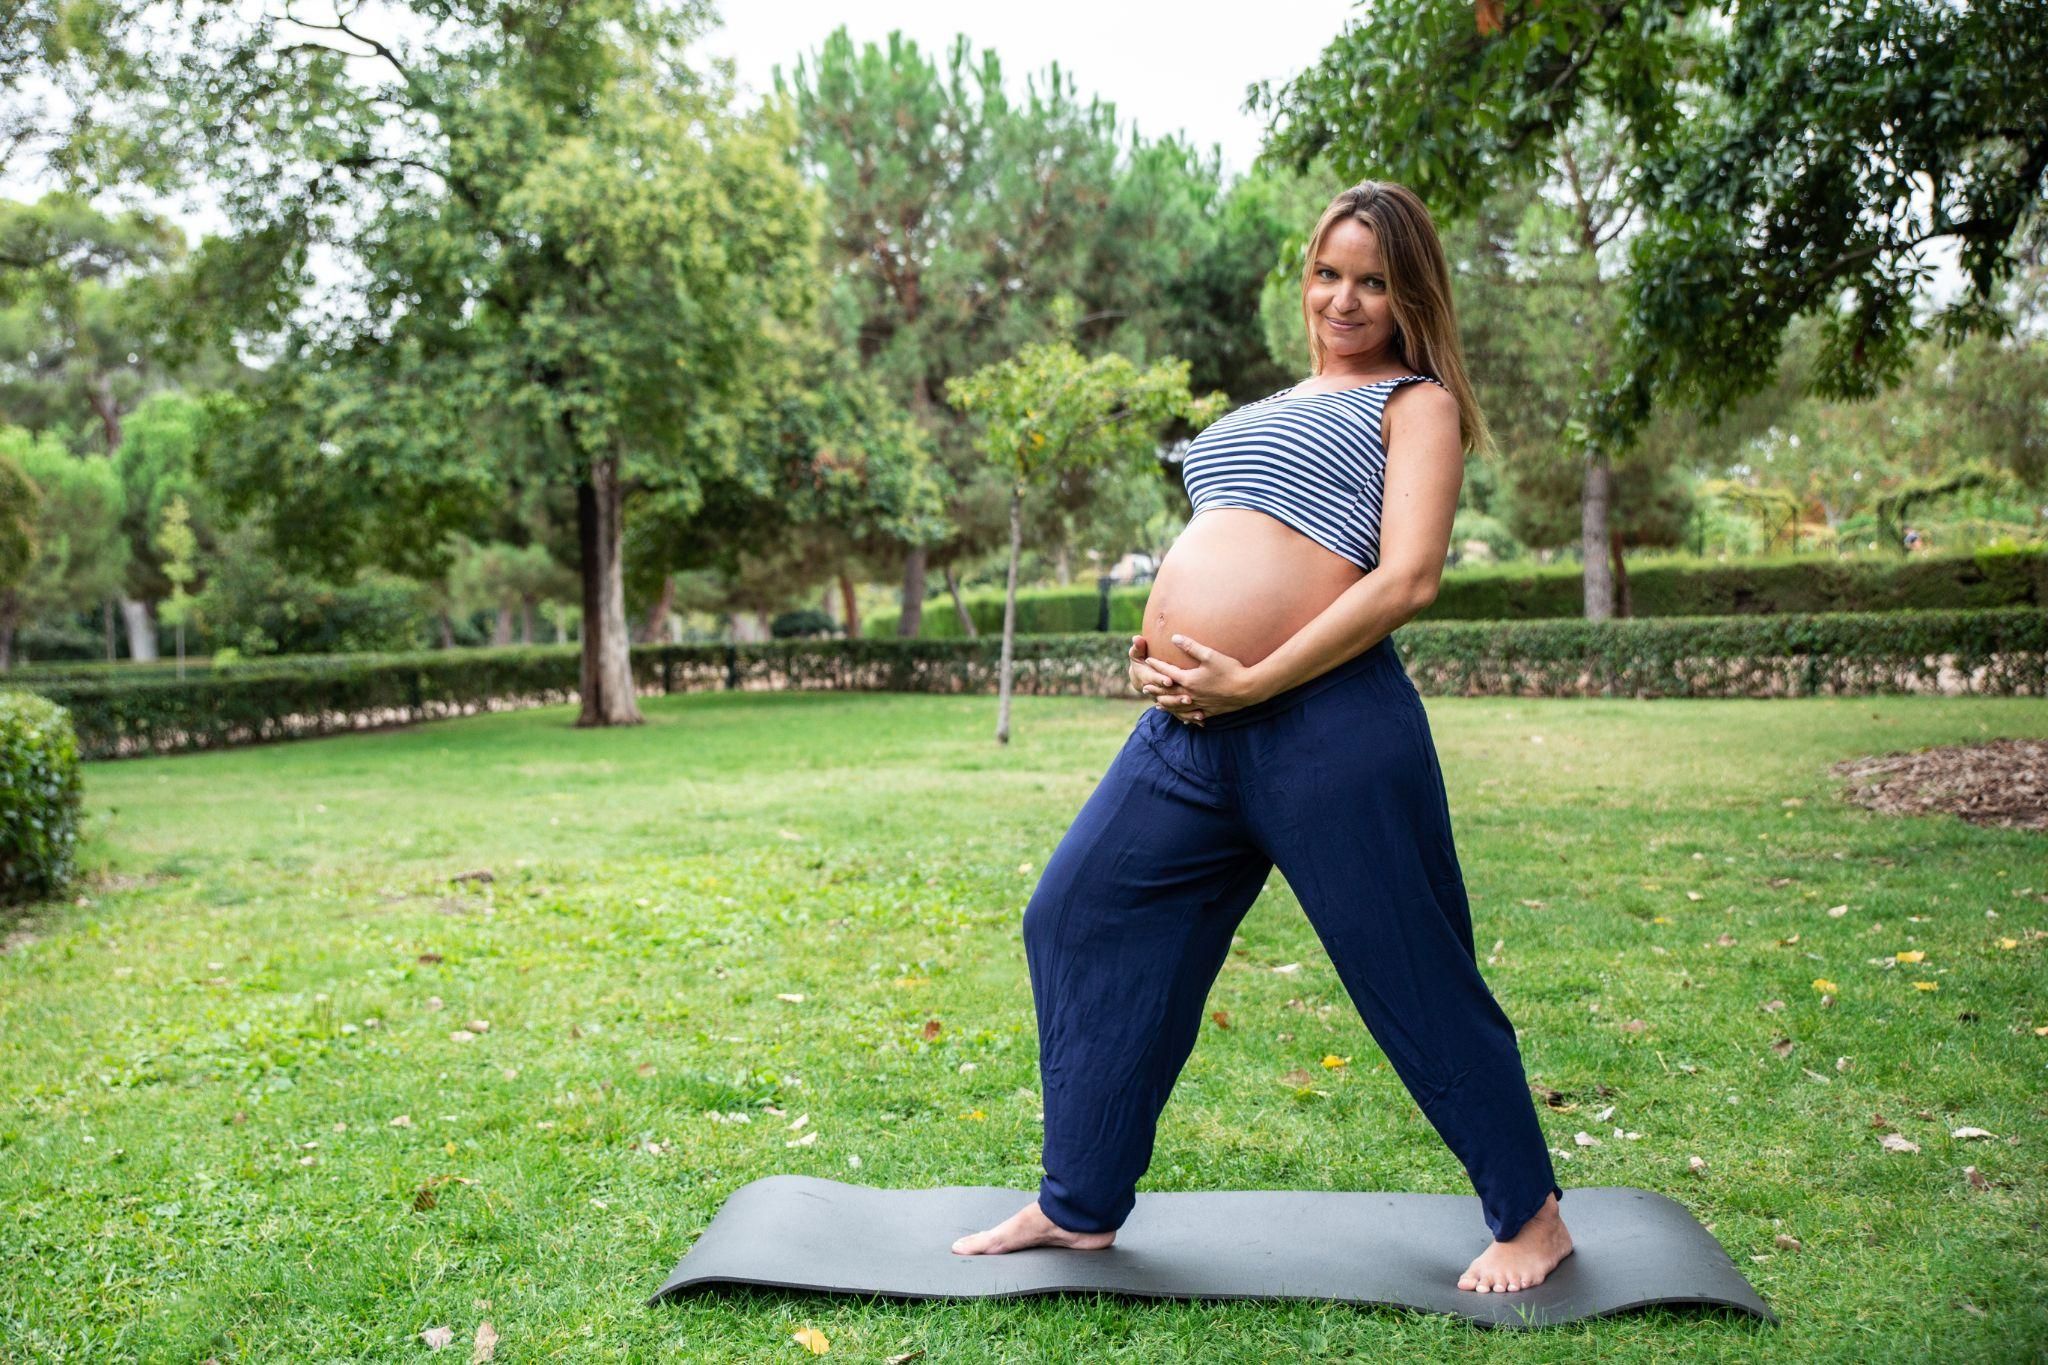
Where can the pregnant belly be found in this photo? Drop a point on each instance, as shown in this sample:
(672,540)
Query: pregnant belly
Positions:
(1242,582)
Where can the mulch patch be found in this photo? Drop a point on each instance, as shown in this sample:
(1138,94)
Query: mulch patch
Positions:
(1998,782)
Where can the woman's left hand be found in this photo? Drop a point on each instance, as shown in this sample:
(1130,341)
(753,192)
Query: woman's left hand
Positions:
(1215,685)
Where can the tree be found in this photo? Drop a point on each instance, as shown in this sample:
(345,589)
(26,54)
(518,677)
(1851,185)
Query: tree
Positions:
(84,347)
(20,510)
(1050,410)
(957,214)
(564,241)
(1781,161)
(178,545)
(80,551)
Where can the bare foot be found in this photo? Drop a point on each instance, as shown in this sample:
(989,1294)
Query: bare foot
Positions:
(1029,1227)
(1523,1260)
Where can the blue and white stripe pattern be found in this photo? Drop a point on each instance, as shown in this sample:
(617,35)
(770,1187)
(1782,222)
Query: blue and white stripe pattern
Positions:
(1314,462)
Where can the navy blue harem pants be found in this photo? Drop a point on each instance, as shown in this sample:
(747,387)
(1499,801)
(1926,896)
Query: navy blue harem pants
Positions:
(1336,782)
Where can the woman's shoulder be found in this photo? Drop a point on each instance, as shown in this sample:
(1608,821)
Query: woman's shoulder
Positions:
(1421,408)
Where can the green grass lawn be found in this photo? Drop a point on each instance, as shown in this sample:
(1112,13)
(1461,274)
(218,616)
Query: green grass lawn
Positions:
(207,1058)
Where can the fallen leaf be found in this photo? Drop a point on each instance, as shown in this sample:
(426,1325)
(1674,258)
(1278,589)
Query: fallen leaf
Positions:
(792,997)
(437,1337)
(1222,1018)
(1976,1178)
(1585,1139)
(462,1035)
(1634,1026)
(1333,1061)
(1837,911)
(1911,955)
(486,1345)
(905,1358)
(1926,985)
(1786,1243)
(931,1029)
(1298,1077)
(1695,1165)
(1783,1046)
(1967,1132)
(1773,1006)
(1893,1142)
(402,1121)
(1290,967)
(429,959)
(1821,983)
(812,1340)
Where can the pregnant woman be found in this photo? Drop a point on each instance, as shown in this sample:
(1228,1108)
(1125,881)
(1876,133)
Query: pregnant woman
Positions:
(1285,732)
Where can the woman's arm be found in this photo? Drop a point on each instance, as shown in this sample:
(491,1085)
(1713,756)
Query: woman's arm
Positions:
(1425,467)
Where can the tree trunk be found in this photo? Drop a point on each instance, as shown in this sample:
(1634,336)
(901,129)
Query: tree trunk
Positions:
(851,606)
(654,630)
(960,607)
(141,629)
(1063,565)
(526,620)
(607,672)
(1621,602)
(10,611)
(100,393)
(1010,615)
(447,630)
(501,629)
(107,620)
(1593,538)
(912,619)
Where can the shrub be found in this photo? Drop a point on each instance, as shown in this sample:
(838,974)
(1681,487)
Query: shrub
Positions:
(39,797)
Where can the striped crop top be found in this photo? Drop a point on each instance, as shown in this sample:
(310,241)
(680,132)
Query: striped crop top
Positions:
(1314,462)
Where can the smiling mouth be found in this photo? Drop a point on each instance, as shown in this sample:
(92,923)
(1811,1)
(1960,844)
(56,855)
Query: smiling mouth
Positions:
(1342,326)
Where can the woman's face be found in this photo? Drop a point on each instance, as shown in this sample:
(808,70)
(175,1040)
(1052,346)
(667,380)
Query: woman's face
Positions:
(1347,295)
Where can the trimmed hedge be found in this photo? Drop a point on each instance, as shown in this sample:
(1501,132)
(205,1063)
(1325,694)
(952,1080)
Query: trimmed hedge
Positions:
(40,795)
(1980,580)
(2001,653)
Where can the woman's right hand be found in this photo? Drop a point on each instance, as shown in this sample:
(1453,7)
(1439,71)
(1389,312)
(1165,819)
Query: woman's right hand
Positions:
(1156,685)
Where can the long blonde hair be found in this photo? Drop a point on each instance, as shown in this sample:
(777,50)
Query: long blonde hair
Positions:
(1418,288)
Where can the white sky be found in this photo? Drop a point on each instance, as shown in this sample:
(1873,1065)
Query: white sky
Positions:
(1166,66)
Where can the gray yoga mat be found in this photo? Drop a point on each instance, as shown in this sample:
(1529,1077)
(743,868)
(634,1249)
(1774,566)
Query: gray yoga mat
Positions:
(1632,1248)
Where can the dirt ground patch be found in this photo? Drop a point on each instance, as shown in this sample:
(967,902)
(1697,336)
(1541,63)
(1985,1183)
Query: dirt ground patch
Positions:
(1998,782)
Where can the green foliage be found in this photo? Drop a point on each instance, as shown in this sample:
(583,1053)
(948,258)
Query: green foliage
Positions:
(257,605)
(1049,410)
(807,624)
(20,510)
(40,796)
(1779,158)
(81,554)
